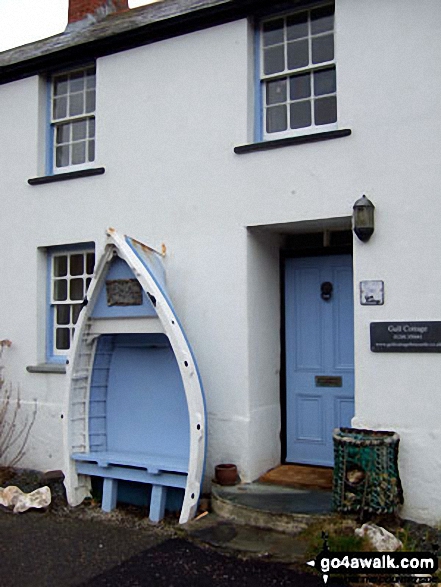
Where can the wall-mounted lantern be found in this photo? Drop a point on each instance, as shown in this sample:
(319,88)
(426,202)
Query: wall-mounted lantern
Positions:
(363,218)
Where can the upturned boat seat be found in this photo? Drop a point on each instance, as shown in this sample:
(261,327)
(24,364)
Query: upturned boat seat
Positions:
(158,471)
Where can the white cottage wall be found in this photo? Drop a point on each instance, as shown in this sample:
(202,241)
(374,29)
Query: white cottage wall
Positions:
(264,350)
(168,117)
(22,217)
(396,70)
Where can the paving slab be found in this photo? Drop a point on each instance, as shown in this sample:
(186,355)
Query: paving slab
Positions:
(248,540)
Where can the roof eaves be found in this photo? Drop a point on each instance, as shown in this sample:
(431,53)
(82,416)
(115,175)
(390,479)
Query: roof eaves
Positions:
(133,28)
(114,33)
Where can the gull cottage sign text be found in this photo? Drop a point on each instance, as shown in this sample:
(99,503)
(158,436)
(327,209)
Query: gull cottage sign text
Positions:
(406,337)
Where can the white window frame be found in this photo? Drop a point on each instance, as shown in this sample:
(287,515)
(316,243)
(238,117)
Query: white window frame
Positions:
(287,73)
(78,120)
(64,308)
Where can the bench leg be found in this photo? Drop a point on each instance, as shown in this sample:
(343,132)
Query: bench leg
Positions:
(157,503)
(110,491)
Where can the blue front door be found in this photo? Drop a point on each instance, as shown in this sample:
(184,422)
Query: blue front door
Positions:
(319,328)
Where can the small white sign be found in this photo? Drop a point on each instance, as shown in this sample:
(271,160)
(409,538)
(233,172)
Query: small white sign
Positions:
(372,293)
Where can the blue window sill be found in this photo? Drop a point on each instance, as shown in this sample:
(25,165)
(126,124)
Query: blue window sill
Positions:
(66,176)
(47,368)
(277,143)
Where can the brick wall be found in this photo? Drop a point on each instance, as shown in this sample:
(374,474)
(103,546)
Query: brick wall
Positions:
(79,9)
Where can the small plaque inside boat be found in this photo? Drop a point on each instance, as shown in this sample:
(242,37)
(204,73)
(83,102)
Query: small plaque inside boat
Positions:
(123,292)
(328,381)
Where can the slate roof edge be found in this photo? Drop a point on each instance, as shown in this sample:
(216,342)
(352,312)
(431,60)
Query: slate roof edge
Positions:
(129,29)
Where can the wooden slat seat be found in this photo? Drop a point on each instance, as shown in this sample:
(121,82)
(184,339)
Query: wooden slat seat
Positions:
(140,460)
(159,471)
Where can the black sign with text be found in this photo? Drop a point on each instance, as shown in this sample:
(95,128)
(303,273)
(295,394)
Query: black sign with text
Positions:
(406,337)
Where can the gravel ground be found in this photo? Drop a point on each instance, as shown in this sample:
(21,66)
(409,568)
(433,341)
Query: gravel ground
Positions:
(179,563)
(84,547)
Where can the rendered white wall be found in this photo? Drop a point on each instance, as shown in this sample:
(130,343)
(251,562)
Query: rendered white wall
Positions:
(264,350)
(168,117)
(396,153)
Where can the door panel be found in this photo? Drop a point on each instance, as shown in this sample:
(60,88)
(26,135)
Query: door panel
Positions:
(319,356)
(309,418)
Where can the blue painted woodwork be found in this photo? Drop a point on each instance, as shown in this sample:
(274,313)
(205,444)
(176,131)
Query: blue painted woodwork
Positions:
(258,90)
(159,472)
(157,503)
(49,130)
(146,405)
(120,270)
(139,494)
(146,412)
(157,273)
(110,491)
(319,342)
(152,262)
(138,418)
(50,315)
(151,463)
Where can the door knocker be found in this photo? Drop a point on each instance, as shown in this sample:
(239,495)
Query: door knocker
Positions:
(326,289)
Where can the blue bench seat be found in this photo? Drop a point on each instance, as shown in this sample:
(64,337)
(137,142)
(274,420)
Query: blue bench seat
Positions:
(159,471)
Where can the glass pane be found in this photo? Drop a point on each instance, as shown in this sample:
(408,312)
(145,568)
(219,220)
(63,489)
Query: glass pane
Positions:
(297,26)
(300,114)
(76,82)
(323,49)
(274,59)
(76,309)
(91,153)
(91,128)
(276,91)
(79,153)
(325,110)
(60,108)
(62,156)
(276,119)
(60,85)
(77,264)
(63,314)
(79,130)
(88,280)
(300,86)
(90,79)
(90,263)
(62,339)
(60,265)
(322,20)
(298,54)
(76,105)
(90,101)
(272,32)
(63,133)
(60,290)
(76,289)
(324,82)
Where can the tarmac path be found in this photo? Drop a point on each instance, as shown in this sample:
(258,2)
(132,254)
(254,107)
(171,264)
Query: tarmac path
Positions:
(46,550)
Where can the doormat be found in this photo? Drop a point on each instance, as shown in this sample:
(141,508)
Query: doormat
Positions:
(300,476)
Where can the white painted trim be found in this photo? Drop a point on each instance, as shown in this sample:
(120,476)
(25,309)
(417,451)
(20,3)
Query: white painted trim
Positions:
(126,325)
(77,487)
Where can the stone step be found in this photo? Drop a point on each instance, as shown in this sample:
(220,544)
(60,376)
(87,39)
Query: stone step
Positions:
(283,509)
